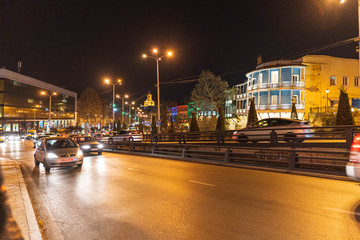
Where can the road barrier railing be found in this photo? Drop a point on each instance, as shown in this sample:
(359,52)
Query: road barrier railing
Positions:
(341,134)
(288,156)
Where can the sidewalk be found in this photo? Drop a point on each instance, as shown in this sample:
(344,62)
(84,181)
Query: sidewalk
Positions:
(19,200)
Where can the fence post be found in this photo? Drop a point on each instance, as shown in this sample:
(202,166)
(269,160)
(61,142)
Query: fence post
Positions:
(153,149)
(182,137)
(183,154)
(349,136)
(227,155)
(292,158)
(273,136)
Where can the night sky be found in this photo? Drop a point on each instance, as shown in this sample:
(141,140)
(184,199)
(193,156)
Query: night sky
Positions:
(75,44)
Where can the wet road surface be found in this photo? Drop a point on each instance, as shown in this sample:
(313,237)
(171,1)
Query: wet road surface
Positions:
(116,196)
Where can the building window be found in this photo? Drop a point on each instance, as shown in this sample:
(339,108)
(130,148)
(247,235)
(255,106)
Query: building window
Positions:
(295,78)
(260,78)
(274,100)
(345,80)
(30,100)
(356,81)
(275,77)
(332,80)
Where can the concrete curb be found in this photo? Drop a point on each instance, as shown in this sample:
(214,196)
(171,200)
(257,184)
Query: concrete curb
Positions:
(33,227)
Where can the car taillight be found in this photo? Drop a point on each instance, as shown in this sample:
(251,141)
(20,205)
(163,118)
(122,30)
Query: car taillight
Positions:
(355,149)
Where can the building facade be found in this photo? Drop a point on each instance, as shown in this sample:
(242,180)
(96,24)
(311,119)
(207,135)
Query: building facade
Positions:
(23,107)
(312,82)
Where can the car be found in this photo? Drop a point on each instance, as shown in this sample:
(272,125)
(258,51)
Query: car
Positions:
(289,130)
(353,166)
(89,144)
(58,152)
(126,135)
(101,137)
(12,137)
(36,139)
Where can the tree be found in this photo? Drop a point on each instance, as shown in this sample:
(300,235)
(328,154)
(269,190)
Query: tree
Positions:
(209,92)
(89,105)
(194,126)
(124,125)
(252,115)
(220,124)
(153,125)
(344,115)
(172,128)
(293,111)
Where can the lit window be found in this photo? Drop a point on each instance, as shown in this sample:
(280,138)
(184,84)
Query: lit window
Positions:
(332,81)
(356,81)
(345,80)
(274,100)
(295,78)
(30,100)
(275,77)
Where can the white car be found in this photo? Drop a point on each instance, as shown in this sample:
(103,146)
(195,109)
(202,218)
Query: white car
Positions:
(126,135)
(353,166)
(58,152)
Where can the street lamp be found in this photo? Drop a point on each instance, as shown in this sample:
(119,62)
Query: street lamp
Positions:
(327,99)
(109,82)
(157,59)
(49,94)
(132,103)
(35,108)
(343,1)
(122,106)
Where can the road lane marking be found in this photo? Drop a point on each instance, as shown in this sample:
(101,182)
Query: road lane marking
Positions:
(342,211)
(202,183)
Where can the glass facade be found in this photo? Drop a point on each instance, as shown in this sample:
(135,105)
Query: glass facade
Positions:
(22,106)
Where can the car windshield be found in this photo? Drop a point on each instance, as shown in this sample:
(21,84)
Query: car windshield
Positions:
(60,143)
(84,139)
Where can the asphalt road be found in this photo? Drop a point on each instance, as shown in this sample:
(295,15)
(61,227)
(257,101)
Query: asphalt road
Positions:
(117,196)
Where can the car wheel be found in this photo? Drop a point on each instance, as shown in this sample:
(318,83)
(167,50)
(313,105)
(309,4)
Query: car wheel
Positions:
(47,168)
(100,152)
(110,141)
(290,137)
(79,165)
(242,138)
(37,163)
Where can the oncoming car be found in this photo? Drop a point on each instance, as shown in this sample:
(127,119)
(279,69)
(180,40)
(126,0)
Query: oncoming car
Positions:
(353,166)
(89,144)
(289,130)
(58,152)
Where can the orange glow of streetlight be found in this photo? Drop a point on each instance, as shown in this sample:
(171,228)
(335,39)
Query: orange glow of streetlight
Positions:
(126,96)
(155,50)
(107,81)
(342,1)
(144,56)
(169,53)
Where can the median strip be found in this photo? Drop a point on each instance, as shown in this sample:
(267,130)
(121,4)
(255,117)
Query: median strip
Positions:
(201,183)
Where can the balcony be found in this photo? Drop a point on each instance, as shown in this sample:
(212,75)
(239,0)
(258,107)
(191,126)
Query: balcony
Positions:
(285,106)
(264,85)
(263,107)
(274,107)
(255,86)
(300,106)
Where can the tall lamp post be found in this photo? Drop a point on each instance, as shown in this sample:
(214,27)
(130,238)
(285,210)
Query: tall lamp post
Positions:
(109,82)
(327,99)
(49,94)
(343,1)
(122,106)
(132,103)
(157,59)
(35,108)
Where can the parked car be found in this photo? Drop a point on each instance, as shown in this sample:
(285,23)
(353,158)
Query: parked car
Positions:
(289,130)
(88,144)
(126,135)
(353,166)
(101,137)
(58,152)
(12,137)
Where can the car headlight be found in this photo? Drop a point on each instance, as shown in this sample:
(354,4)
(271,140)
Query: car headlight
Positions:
(86,147)
(79,153)
(100,146)
(52,155)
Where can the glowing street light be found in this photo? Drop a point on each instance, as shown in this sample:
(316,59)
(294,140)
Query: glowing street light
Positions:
(122,106)
(157,59)
(49,94)
(110,82)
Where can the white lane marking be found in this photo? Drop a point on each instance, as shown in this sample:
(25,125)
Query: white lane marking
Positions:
(202,183)
(342,211)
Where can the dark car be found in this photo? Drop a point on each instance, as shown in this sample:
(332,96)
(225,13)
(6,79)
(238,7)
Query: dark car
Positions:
(88,144)
(289,130)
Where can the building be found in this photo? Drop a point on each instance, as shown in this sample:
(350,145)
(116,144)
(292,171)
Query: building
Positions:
(312,82)
(149,102)
(22,106)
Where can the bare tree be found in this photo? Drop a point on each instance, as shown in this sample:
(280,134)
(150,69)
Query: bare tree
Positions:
(209,92)
(89,105)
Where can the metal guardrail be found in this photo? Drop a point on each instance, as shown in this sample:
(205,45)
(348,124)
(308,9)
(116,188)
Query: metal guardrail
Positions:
(324,160)
(343,135)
